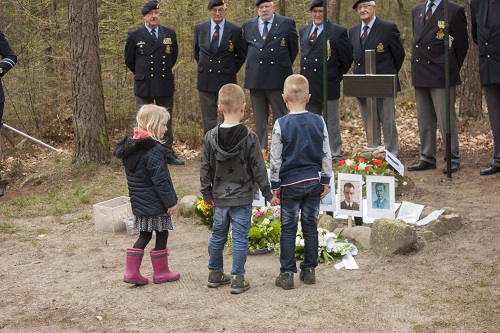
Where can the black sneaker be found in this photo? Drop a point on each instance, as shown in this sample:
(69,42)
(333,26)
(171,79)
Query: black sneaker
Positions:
(285,280)
(308,275)
(215,279)
(238,284)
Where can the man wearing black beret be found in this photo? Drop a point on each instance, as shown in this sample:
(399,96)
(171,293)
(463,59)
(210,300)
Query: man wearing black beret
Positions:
(383,37)
(339,60)
(272,46)
(219,50)
(150,53)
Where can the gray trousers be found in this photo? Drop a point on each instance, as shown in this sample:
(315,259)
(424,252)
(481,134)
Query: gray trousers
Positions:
(431,112)
(492,96)
(168,103)
(209,110)
(261,99)
(332,123)
(385,117)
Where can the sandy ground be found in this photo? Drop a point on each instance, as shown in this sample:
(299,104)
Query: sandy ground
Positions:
(70,278)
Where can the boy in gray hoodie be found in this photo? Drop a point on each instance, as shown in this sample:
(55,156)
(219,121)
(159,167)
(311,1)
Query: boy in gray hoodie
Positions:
(231,163)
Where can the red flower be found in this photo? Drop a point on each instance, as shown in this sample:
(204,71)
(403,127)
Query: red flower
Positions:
(361,160)
(377,162)
(356,167)
(367,168)
(341,162)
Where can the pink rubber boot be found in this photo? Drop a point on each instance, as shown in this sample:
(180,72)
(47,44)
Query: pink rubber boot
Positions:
(132,273)
(161,273)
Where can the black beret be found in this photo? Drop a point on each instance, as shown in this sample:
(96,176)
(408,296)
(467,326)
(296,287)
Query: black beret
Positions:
(149,6)
(357,2)
(215,3)
(316,3)
(259,2)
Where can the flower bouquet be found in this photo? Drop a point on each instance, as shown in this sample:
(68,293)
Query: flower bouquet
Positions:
(330,247)
(266,158)
(206,214)
(265,230)
(364,166)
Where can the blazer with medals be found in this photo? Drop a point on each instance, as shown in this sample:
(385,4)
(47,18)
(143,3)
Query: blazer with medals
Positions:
(311,59)
(383,37)
(219,68)
(488,40)
(269,61)
(9,60)
(427,61)
(152,61)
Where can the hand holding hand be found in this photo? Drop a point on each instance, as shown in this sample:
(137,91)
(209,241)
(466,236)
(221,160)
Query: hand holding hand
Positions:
(172,210)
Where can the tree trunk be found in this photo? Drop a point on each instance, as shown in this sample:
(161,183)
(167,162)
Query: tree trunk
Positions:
(282,7)
(89,118)
(335,9)
(470,90)
(406,20)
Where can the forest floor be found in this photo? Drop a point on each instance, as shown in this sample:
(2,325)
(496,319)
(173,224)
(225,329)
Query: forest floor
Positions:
(57,274)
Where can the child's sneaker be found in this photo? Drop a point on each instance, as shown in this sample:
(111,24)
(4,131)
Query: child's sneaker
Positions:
(238,284)
(308,275)
(215,279)
(285,280)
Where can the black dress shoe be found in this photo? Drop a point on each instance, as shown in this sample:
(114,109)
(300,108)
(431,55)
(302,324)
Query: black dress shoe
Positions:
(454,168)
(421,166)
(1,192)
(490,171)
(172,159)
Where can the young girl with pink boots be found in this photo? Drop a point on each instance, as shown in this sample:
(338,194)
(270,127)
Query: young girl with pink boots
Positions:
(151,193)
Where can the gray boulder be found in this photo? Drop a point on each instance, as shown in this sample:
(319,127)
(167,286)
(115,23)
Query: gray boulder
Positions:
(328,222)
(185,207)
(358,235)
(389,237)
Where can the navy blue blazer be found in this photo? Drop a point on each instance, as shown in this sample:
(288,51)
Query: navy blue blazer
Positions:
(152,62)
(9,59)
(384,38)
(488,40)
(427,60)
(269,62)
(311,59)
(219,68)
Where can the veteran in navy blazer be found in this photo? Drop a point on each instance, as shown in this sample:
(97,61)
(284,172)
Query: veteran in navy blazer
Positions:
(428,76)
(151,59)
(271,50)
(219,50)
(339,60)
(383,37)
(9,60)
(485,22)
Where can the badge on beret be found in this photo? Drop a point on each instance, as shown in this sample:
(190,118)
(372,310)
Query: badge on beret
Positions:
(380,47)
(167,41)
(283,43)
(231,46)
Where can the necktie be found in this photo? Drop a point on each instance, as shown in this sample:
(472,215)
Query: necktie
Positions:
(363,36)
(313,35)
(214,44)
(265,31)
(153,33)
(428,13)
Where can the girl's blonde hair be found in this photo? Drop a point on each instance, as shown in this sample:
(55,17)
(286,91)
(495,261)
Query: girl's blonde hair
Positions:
(150,117)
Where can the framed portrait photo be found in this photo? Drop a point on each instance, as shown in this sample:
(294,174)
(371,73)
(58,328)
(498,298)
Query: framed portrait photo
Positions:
(328,203)
(350,195)
(380,196)
(258,198)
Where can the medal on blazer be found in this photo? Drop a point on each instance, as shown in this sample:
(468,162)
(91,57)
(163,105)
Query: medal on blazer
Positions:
(440,32)
(380,47)
(167,41)
(141,50)
(167,49)
(231,46)
(283,43)
(329,49)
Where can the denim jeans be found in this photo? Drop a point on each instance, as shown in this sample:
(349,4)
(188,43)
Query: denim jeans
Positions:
(240,217)
(303,197)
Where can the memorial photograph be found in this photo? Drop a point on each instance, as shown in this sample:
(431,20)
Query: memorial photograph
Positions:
(350,195)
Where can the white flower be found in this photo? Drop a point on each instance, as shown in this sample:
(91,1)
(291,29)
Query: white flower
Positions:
(266,221)
(299,241)
(362,166)
(349,162)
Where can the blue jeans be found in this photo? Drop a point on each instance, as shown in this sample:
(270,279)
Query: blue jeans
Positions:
(240,216)
(302,197)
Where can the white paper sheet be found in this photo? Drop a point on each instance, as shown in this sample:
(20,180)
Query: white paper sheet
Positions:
(431,217)
(410,212)
(349,262)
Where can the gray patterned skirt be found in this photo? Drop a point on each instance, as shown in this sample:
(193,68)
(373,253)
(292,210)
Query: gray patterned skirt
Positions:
(153,223)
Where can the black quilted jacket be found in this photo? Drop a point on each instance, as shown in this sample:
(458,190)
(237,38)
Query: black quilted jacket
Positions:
(149,184)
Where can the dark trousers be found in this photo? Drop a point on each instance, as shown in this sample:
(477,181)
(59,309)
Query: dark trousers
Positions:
(168,103)
(145,238)
(209,110)
(261,99)
(492,96)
